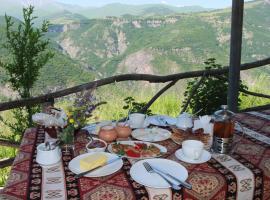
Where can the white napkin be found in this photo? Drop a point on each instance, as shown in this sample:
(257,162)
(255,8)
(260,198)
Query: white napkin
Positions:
(204,123)
(49,120)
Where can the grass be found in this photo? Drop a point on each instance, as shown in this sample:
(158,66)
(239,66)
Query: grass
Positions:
(5,152)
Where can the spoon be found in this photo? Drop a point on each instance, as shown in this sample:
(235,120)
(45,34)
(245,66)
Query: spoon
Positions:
(54,144)
(47,146)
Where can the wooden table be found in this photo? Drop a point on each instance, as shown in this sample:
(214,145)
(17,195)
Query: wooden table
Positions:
(243,175)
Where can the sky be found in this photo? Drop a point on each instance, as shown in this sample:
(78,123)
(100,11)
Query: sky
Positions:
(203,3)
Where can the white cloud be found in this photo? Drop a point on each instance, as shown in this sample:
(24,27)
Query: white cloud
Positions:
(164,2)
(179,5)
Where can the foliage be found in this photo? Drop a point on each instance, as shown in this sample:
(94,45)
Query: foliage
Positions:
(133,107)
(212,92)
(28,53)
(67,134)
(6,152)
(83,106)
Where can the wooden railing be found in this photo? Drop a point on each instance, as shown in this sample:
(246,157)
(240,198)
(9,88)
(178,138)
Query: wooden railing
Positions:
(48,99)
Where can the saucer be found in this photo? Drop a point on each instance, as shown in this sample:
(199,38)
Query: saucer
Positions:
(204,157)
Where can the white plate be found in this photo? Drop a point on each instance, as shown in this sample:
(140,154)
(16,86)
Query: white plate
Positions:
(163,149)
(140,175)
(74,165)
(204,157)
(161,120)
(151,134)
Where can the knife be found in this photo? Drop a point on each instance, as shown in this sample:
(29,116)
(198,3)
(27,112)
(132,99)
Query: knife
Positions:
(98,167)
(183,183)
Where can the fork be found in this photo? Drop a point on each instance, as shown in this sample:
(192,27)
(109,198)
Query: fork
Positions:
(149,169)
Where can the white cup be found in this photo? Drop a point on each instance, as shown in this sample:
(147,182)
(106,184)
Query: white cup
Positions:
(192,149)
(136,120)
(48,157)
(184,121)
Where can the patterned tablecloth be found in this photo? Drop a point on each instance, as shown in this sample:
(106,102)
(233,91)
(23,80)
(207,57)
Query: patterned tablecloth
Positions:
(243,175)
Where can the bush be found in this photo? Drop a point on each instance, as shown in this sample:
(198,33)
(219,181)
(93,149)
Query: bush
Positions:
(212,92)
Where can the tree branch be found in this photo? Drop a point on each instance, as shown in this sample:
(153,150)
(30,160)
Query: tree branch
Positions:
(6,162)
(157,95)
(126,77)
(257,108)
(194,89)
(254,93)
(9,143)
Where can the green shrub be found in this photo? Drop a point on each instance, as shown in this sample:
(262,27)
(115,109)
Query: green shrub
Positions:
(211,93)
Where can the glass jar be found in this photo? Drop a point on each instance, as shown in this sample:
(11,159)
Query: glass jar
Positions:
(223,130)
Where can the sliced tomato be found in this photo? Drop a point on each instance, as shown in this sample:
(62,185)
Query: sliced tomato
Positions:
(132,153)
(140,145)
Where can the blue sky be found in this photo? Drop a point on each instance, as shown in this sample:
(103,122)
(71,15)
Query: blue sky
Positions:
(203,3)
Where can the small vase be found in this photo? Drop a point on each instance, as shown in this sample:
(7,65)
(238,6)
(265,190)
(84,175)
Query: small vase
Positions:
(67,139)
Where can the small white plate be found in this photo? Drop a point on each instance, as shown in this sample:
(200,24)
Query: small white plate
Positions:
(151,134)
(162,149)
(74,165)
(204,157)
(140,175)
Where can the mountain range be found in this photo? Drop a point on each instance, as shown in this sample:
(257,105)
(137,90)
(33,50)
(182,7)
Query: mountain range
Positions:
(99,42)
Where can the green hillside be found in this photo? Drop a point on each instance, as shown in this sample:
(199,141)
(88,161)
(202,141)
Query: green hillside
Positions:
(165,44)
(118,10)
(46,8)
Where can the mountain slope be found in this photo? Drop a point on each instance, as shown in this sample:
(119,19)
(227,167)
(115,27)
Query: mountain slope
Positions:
(182,41)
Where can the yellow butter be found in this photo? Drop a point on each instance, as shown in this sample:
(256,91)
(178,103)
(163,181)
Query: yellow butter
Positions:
(92,161)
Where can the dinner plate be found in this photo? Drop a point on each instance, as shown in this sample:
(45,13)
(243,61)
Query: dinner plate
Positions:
(140,175)
(162,149)
(161,120)
(74,165)
(151,134)
(204,157)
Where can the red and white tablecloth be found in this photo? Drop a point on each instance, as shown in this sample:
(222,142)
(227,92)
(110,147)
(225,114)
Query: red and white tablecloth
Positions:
(243,175)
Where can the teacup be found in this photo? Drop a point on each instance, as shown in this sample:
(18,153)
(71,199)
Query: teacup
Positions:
(192,149)
(137,120)
(184,121)
(48,157)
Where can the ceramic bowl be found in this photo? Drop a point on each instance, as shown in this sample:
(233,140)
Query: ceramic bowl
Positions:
(96,149)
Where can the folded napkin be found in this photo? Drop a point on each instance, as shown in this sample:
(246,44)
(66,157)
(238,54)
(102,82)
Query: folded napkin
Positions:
(204,123)
(58,119)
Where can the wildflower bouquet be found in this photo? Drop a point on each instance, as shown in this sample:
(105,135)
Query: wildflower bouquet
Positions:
(78,114)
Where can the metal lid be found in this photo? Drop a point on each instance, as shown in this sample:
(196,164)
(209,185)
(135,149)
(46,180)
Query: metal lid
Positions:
(224,114)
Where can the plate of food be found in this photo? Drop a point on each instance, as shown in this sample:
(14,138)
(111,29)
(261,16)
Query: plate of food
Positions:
(92,160)
(151,134)
(137,149)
